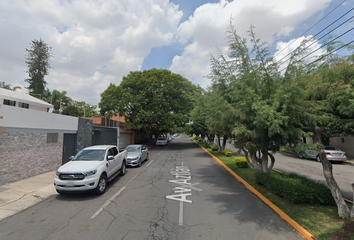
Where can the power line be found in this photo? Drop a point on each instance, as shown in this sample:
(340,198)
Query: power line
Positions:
(321,46)
(330,53)
(321,32)
(310,28)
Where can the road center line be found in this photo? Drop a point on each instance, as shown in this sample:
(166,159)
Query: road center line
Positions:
(180,222)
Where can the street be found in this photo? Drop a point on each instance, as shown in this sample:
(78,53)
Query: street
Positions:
(180,193)
(290,163)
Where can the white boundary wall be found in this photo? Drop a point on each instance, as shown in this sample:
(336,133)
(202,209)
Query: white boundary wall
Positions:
(13,118)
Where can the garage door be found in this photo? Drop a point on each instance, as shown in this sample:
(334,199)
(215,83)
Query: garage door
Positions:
(124,140)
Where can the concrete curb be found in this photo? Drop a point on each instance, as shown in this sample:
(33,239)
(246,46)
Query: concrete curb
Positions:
(283,215)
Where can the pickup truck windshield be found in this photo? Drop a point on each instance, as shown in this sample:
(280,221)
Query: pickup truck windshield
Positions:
(90,155)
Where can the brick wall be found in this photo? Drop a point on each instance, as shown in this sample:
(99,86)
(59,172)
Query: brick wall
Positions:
(24,155)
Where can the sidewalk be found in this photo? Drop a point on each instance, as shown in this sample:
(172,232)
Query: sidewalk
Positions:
(17,196)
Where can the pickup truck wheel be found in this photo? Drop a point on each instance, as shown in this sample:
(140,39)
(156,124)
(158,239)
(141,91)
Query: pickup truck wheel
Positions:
(101,186)
(59,191)
(123,169)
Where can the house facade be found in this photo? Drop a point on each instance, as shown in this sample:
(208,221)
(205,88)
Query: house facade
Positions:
(33,140)
(31,137)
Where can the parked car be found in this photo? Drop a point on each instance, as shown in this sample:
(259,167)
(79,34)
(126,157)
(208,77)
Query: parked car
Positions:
(332,153)
(91,169)
(137,154)
(161,141)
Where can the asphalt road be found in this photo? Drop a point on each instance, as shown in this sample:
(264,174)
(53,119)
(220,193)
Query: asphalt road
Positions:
(290,163)
(180,193)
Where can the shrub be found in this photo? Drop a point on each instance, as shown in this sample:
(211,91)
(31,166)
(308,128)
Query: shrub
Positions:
(241,162)
(214,147)
(296,189)
(227,153)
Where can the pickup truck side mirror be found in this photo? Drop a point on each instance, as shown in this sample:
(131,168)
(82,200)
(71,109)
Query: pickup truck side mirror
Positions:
(110,158)
(71,158)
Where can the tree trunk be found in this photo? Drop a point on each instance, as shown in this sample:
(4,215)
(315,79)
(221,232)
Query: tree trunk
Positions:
(218,142)
(224,143)
(260,163)
(343,210)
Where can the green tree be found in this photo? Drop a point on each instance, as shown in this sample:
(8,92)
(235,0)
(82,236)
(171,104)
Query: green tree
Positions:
(220,117)
(268,105)
(38,64)
(8,86)
(152,100)
(72,110)
(330,96)
(4,85)
(198,117)
(59,100)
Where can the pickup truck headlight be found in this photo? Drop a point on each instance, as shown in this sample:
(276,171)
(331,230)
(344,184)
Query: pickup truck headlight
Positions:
(93,172)
(57,174)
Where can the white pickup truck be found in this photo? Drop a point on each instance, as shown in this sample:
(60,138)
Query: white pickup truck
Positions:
(91,169)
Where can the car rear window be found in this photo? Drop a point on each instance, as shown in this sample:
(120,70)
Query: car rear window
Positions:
(330,148)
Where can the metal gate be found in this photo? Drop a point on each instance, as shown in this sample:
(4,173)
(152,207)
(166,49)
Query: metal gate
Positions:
(124,140)
(69,146)
(104,136)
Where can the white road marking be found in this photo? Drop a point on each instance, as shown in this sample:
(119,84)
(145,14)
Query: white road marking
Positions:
(107,203)
(112,198)
(180,222)
(149,163)
(184,189)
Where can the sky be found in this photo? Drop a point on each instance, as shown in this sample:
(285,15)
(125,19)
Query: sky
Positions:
(98,42)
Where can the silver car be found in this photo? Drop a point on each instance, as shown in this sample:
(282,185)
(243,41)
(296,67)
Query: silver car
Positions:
(137,154)
(333,154)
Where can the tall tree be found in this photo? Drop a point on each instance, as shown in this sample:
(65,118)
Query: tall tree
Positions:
(268,105)
(198,117)
(38,64)
(331,96)
(152,100)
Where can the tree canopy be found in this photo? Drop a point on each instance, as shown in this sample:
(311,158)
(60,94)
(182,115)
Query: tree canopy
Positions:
(153,100)
(258,103)
(38,64)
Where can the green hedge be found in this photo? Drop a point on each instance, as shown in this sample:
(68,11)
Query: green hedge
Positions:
(214,148)
(296,189)
(227,153)
(241,162)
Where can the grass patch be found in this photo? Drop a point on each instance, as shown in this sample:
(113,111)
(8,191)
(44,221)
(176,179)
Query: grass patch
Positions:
(320,221)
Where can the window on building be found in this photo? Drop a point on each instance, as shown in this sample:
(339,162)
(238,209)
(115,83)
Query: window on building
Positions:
(23,105)
(9,102)
(52,137)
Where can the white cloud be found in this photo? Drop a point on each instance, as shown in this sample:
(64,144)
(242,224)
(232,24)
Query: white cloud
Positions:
(206,29)
(284,50)
(94,42)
